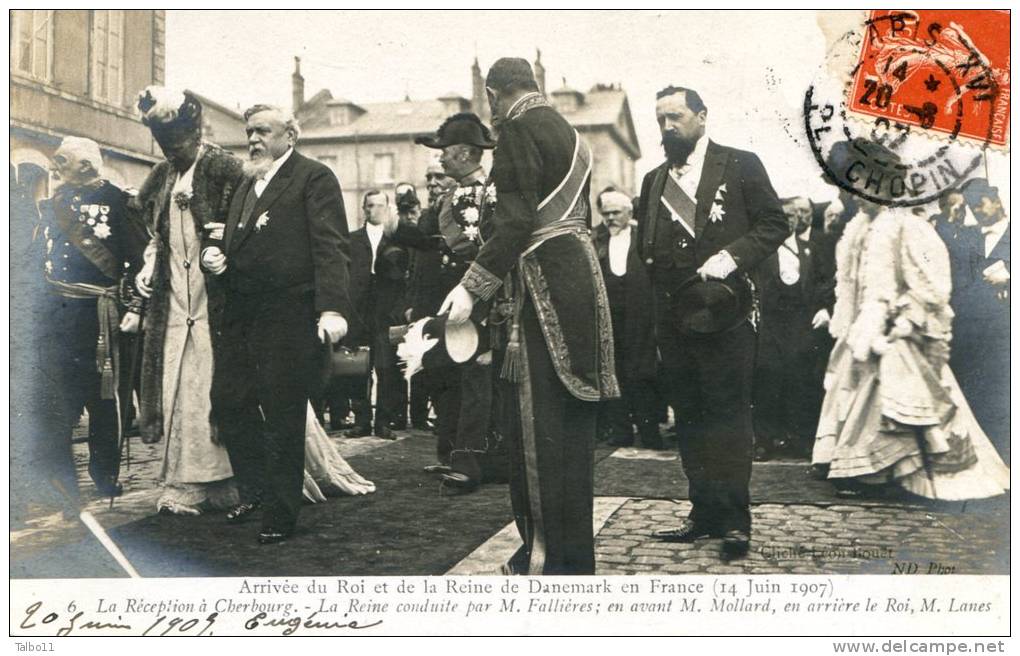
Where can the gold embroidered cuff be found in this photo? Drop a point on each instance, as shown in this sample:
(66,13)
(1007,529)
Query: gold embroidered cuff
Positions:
(481,282)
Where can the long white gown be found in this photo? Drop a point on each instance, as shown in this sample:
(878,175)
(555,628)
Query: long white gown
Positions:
(893,411)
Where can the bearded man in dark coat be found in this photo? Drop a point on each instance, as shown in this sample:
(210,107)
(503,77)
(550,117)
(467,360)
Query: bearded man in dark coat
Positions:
(708,212)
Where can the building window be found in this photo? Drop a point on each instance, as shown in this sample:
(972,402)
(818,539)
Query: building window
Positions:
(329,160)
(108,56)
(32,43)
(383,168)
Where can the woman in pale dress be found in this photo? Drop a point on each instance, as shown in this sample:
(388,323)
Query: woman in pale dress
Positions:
(184,197)
(893,411)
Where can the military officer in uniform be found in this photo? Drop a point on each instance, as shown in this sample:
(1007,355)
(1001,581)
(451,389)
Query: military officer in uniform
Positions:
(463,399)
(559,355)
(92,251)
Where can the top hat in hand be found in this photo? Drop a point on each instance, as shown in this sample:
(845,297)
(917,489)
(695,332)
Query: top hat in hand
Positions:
(708,307)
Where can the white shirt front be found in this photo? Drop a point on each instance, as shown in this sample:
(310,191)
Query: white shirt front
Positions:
(993,234)
(263,182)
(689,175)
(619,247)
(375,235)
(789,258)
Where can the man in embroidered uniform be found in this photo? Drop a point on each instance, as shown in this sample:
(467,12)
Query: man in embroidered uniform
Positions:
(92,252)
(463,397)
(708,211)
(560,350)
(284,258)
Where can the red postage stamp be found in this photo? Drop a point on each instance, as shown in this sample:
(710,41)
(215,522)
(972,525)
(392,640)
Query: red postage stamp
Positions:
(944,71)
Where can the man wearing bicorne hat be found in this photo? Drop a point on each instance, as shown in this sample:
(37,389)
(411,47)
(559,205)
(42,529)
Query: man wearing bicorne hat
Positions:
(454,231)
(558,360)
(708,213)
(93,248)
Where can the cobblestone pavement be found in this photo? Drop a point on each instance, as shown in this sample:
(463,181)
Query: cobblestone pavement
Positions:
(799,538)
(811,539)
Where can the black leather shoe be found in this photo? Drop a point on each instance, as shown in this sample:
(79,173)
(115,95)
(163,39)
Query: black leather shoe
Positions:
(458,483)
(735,545)
(385,432)
(359,431)
(688,532)
(242,511)
(110,489)
(621,440)
(437,469)
(272,537)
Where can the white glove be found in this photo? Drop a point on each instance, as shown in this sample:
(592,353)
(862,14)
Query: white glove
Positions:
(820,319)
(215,230)
(459,303)
(997,274)
(214,260)
(131,323)
(144,279)
(718,267)
(332,327)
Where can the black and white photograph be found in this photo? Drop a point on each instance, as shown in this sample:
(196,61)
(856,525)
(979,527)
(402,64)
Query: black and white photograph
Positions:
(706,310)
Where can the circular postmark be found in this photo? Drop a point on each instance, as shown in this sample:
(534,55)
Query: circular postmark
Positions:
(913,116)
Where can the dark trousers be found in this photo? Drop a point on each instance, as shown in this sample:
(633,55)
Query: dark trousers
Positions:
(710,378)
(69,382)
(551,481)
(787,382)
(391,390)
(418,402)
(638,406)
(463,398)
(268,360)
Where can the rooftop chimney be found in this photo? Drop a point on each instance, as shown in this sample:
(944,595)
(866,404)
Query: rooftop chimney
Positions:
(539,71)
(297,86)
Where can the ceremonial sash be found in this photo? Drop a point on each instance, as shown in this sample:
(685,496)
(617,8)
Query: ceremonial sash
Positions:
(679,204)
(107,353)
(558,204)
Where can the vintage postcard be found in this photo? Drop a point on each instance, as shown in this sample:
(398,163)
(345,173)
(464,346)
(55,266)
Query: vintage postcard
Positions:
(335,323)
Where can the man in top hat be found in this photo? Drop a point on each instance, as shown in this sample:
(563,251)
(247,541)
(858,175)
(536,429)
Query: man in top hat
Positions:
(560,347)
(462,397)
(286,277)
(980,353)
(92,248)
(708,218)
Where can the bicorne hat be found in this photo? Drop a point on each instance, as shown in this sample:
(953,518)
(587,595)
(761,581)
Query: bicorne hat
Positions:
(463,128)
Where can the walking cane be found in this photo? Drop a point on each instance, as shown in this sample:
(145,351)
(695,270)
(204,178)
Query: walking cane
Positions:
(100,534)
(125,444)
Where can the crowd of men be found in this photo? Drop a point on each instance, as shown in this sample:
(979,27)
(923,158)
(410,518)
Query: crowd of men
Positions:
(707,293)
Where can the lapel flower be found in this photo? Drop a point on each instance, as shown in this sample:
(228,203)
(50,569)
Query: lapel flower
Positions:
(102,230)
(262,221)
(716,212)
(183,200)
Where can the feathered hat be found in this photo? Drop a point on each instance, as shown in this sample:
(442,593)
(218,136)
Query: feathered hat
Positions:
(164,110)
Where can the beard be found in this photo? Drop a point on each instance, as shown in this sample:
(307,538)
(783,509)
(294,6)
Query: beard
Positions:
(677,148)
(258,165)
